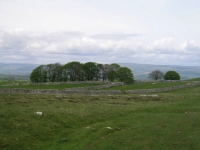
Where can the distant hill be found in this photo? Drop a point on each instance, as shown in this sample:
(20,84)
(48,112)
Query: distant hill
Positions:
(140,71)
(17,69)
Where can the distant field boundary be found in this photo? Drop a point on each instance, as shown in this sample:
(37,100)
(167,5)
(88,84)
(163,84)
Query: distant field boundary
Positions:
(58,83)
(91,92)
(56,92)
(162,89)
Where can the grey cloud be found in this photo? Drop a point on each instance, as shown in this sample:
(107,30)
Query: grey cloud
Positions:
(193,47)
(22,46)
(13,40)
(58,36)
(114,36)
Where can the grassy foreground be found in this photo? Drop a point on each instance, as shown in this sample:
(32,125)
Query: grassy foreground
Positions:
(170,121)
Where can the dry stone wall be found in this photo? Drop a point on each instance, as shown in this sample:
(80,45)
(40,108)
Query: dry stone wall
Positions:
(80,90)
(71,82)
(57,92)
(97,87)
(57,83)
(154,81)
(162,89)
(75,91)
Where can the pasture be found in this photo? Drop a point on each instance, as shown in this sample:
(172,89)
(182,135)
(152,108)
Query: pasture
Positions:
(169,120)
(57,86)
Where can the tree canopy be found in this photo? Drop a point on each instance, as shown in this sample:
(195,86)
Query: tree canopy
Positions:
(156,75)
(172,75)
(125,75)
(76,71)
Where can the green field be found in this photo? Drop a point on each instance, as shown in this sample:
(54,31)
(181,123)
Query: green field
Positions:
(194,79)
(169,121)
(148,85)
(57,87)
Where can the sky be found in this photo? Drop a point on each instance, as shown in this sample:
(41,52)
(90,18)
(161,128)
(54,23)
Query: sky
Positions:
(161,32)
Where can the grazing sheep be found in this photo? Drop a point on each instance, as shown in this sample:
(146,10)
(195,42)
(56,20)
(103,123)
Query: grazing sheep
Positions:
(39,113)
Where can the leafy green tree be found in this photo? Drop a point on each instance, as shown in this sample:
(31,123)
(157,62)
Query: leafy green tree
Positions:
(81,72)
(54,72)
(43,76)
(98,73)
(105,71)
(172,75)
(124,74)
(74,70)
(90,69)
(39,74)
(115,66)
(156,75)
(112,74)
(64,73)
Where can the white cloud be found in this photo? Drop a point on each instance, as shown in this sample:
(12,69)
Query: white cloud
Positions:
(59,15)
(37,45)
(167,45)
(18,45)
(192,45)
(47,31)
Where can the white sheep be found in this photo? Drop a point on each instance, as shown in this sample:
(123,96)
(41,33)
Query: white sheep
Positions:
(39,113)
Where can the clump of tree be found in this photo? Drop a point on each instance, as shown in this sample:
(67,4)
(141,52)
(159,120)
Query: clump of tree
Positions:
(172,75)
(156,75)
(76,71)
(124,74)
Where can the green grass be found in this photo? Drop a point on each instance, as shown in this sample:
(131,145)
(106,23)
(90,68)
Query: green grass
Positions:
(194,79)
(2,82)
(168,122)
(148,85)
(58,86)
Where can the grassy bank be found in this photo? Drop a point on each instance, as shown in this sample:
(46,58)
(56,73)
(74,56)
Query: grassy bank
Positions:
(169,121)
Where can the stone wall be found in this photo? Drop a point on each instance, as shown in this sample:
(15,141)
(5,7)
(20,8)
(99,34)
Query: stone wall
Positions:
(91,92)
(71,82)
(57,83)
(111,84)
(154,81)
(140,91)
(56,92)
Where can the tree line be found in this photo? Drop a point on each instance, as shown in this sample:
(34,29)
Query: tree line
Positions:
(159,75)
(76,71)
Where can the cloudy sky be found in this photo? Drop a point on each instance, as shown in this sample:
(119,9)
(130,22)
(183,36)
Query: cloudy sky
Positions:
(165,32)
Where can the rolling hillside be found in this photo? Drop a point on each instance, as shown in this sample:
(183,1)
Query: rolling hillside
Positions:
(140,71)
